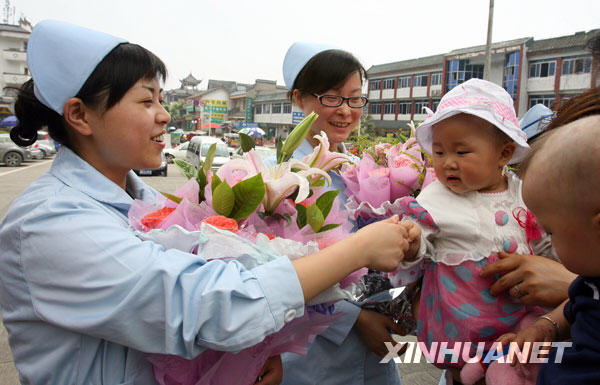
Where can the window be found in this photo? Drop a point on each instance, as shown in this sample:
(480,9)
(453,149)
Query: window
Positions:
(542,68)
(404,82)
(375,85)
(404,108)
(576,65)
(436,78)
(419,104)
(459,71)
(276,108)
(287,108)
(511,73)
(389,107)
(546,100)
(420,80)
(375,108)
(258,109)
(266,108)
(220,150)
(388,84)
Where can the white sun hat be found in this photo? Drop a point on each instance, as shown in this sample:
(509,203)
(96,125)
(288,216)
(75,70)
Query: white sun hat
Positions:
(483,99)
(61,57)
(296,58)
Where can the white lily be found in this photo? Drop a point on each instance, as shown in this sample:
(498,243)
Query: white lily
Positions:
(280,181)
(324,159)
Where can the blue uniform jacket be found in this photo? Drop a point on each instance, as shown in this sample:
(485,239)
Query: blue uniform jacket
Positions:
(82,297)
(338,356)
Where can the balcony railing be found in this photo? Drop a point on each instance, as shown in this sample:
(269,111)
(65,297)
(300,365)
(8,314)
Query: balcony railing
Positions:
(14,79)
(15,55)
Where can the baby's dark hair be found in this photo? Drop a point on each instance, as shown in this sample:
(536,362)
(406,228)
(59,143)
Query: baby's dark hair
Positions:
(113,77)
(326,70)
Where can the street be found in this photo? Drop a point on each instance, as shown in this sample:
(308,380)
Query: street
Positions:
(13,180)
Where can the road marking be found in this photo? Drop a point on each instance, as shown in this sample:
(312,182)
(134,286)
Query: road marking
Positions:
(25,168)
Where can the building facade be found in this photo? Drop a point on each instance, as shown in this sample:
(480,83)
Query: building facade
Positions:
(13,62)
(230,105)
(532,71)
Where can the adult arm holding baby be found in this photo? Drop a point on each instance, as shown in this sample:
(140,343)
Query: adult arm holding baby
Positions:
(569,155)
(535,280)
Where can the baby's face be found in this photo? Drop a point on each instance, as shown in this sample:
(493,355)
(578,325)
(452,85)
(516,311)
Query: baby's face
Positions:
(573,235)
(467,155)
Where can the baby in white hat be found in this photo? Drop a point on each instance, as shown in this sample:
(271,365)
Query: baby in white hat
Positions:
(477,210)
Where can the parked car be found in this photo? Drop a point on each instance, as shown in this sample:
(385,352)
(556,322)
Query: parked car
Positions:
(198,149)
(45,148)
(262,151)
(45,144)
(36,153)
(160,170)
(178,152)
(11,154)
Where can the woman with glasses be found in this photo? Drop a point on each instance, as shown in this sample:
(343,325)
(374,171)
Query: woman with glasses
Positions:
(329,82)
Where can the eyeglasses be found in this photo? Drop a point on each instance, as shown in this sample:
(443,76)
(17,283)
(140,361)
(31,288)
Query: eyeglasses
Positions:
(336,100)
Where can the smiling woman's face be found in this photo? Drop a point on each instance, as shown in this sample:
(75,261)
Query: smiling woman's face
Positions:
(337,122)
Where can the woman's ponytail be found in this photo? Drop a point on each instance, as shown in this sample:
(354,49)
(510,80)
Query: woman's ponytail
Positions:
(32,115)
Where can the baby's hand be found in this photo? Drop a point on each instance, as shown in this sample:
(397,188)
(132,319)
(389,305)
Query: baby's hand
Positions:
(539,331)
(384,244)
(413,237)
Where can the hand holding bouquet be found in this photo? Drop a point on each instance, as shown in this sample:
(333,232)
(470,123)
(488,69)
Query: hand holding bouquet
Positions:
(253,213)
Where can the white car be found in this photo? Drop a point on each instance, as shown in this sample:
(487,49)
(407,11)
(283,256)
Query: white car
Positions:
(198,149)
(176,152)
(262,151)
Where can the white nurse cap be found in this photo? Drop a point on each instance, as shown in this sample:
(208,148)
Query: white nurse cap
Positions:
(296,58)
(61,57)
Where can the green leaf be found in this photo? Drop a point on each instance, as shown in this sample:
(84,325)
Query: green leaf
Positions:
(247,143)
(296,137)
(286,217)
(325,201)
(201,179)
(223,199)
(210,155)
(318,183)
(172,197)
(314,217)
(188,170)
(328,227)
(249,193)
(279,146)
(301,217)
(216,181)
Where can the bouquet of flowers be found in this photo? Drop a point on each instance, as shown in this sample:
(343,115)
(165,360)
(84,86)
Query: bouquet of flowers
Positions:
(385,174)
(383,183)
(253,213)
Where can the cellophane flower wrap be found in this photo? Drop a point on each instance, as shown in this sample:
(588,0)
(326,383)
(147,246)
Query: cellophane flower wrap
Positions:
(383,183)
(253,213)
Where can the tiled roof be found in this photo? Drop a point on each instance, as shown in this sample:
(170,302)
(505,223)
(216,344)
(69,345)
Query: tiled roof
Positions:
(276,96)
(426,61)
(227,84)
(481,48)
(13,28)
(190,79)
(578,40)
(390,124)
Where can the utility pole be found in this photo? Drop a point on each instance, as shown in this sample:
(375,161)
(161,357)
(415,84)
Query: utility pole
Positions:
(488,47)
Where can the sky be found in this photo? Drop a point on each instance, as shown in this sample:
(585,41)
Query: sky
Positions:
(245,40)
